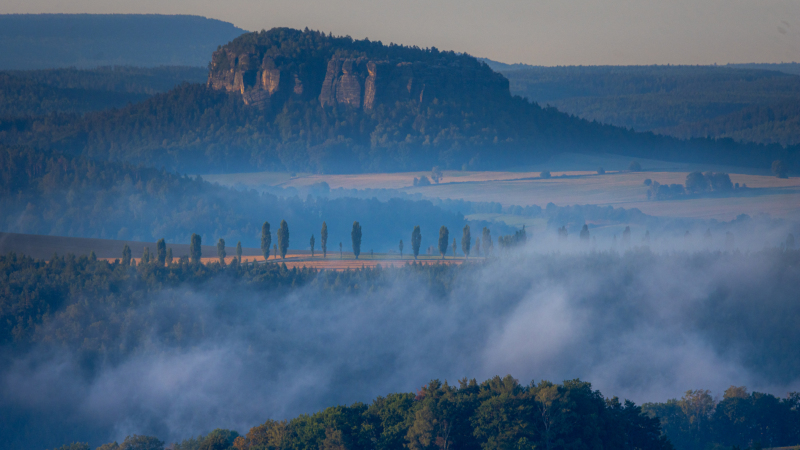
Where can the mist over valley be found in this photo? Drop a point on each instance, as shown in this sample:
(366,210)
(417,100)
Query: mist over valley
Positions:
(214,239)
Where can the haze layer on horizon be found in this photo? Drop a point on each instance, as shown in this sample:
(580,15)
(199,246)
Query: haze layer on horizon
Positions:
(538,32)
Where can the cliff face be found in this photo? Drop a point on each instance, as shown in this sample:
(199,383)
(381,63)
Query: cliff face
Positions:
(335,73)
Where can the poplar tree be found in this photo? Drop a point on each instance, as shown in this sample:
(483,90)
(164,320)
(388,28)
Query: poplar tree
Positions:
(487,242)
(195,251)
(466,240)
(626,235)
(169,256)
(146,255)
(341,254)
(401,248)
(323,236)
(478,246)
(266,240)
(355,235)
(454,247)
(221,251)
(283,239)
(311,243)
(416,240)
(444,238)
(161,251)
(126,255)
(239,251)
(585,233)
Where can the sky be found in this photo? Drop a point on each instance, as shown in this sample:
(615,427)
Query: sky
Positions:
(539,32)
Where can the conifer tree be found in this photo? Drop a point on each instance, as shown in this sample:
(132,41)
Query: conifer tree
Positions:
(401,248)
(161,251)
(266,240)
(323,236)
(239,252)
(283,239)
(126,255)
(444,238)
(466,240)
(169,256)
(221,251)
(195,250)
(355,235)
(311,243)
(146,255)
(416,240)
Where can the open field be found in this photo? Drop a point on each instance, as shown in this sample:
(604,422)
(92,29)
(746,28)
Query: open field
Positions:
(766,194)
(334,263)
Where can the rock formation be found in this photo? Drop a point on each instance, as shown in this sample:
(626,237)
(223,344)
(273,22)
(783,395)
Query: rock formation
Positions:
(266,75)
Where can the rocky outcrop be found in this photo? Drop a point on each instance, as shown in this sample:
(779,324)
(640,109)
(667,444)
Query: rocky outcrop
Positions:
(257,81)
(267,81)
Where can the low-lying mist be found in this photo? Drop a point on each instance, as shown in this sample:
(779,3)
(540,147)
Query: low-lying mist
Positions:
(638,322)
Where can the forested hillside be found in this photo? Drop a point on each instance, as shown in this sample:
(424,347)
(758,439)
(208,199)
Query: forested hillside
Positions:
(40,92)
(45,41)
(111,319)
(775,123)
(43,193)
(681,101)
(324,120)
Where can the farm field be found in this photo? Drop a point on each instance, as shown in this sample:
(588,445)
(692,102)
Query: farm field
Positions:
(767,194)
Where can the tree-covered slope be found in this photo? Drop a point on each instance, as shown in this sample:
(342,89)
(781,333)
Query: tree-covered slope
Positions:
(301,100)
(54,194)
(39,92)
(680,101)
(775,123)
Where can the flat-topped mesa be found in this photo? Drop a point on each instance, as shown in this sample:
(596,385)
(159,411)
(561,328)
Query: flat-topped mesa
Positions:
(270,67)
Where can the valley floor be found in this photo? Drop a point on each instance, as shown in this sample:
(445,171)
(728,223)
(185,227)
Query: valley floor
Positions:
(766,194)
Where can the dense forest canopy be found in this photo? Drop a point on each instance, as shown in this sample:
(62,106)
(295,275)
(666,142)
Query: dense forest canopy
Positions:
(774,123)
(40,92)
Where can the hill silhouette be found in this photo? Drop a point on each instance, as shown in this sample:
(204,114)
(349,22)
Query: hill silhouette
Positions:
(287,99)
(44,41)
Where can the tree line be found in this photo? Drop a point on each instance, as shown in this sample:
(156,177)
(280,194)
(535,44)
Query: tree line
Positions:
(738,420)
(502,414)
(499,413)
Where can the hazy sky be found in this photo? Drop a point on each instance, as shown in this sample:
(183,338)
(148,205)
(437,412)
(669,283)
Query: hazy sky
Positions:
(543,32)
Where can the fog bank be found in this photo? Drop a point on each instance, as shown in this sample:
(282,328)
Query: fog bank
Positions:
(639,323)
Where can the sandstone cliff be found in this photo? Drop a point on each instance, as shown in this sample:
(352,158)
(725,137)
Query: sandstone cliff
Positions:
(337,71)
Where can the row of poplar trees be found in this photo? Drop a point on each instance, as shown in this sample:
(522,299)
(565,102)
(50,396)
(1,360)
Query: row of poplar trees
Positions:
(444,239)
(164,255)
